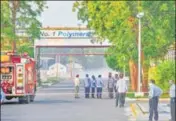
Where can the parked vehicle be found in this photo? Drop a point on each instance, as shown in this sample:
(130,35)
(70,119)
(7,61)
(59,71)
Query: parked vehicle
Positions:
(18,77)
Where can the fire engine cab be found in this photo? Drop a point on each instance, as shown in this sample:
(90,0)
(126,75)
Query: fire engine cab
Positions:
(18,77)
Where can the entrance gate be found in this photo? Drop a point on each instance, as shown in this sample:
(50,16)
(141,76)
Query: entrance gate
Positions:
(64,52)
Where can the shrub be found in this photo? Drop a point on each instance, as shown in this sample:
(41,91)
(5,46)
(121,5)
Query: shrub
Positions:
(162,73)
(165,72)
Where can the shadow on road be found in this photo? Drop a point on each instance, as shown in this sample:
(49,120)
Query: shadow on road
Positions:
(9,103)
(41,102)
(52,101)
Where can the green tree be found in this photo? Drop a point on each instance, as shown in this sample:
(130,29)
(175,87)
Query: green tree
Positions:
(20,15)
(164,72)
(116,21)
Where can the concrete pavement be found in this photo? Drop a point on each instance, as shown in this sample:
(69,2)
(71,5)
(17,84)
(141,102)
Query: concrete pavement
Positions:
(57,104)
(141,111)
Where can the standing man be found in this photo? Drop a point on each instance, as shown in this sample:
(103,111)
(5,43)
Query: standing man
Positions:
(77,83)
(115,82)
(2,95)
(172,99)
(87,84)
(154,93)
(110,85)
(93,86)
(122,88)
(99,86)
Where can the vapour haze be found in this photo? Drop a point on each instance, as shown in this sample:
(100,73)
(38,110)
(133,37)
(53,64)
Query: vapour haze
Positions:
(59,14)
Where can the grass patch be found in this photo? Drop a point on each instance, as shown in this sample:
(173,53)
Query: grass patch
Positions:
(132,95)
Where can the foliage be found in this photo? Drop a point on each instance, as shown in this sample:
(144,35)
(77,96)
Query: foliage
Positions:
(117,22)
(162,73)
(165,72)
(52,79)
(21,15)
(26,47)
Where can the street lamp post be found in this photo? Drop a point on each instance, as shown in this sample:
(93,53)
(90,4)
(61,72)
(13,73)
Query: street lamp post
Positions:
(124,68)
(139,16)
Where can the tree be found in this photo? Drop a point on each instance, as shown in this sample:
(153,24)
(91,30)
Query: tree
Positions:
(117,22)
(20,15)
(164,72)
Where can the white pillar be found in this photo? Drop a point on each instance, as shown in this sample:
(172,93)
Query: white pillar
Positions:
(124,68)
(139,56)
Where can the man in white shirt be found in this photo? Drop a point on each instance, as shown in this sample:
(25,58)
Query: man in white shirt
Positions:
(77,83)
(122,88)
(99,84)
(154,93)
(172,99)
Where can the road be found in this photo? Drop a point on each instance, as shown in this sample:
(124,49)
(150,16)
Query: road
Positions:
(57,103)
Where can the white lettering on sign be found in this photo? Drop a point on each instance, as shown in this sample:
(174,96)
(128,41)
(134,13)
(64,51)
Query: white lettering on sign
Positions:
(66,34)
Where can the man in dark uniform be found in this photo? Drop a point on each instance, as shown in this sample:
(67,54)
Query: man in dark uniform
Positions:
(87,84)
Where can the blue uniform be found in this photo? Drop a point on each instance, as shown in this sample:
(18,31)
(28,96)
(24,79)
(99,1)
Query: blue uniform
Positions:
(93,86)
(99,85)
(87,84)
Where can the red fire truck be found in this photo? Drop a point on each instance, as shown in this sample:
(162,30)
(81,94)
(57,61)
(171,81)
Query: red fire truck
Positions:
(18,77)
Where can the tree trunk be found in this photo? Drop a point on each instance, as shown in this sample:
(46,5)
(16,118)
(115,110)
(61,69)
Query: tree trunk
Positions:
(145,70)
(134,69)
(133,75)
(15,6)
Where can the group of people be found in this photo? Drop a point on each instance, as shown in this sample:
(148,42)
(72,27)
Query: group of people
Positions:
(91,85)
(119,85)
(116,85)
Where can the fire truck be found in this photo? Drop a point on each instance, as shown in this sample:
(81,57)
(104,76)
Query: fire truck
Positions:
(18,77)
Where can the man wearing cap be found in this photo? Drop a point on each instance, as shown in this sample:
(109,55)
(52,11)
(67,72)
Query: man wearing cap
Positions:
(172,99)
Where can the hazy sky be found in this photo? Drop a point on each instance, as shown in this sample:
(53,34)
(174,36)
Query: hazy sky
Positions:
(59,14)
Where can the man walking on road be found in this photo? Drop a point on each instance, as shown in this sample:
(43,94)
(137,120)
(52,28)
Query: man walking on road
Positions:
(154,94)
(99,86)
(172,99)
(122,88)
(87,84)
(77,83)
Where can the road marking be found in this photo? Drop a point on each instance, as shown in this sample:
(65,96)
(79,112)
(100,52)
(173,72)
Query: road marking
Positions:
(134,113)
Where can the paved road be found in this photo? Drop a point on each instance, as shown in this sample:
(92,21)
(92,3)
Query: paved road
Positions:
(57,103)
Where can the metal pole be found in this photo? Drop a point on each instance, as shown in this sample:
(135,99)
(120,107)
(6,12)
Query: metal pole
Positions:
(139,56)
(59,66)
(124,68)
(56,67)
